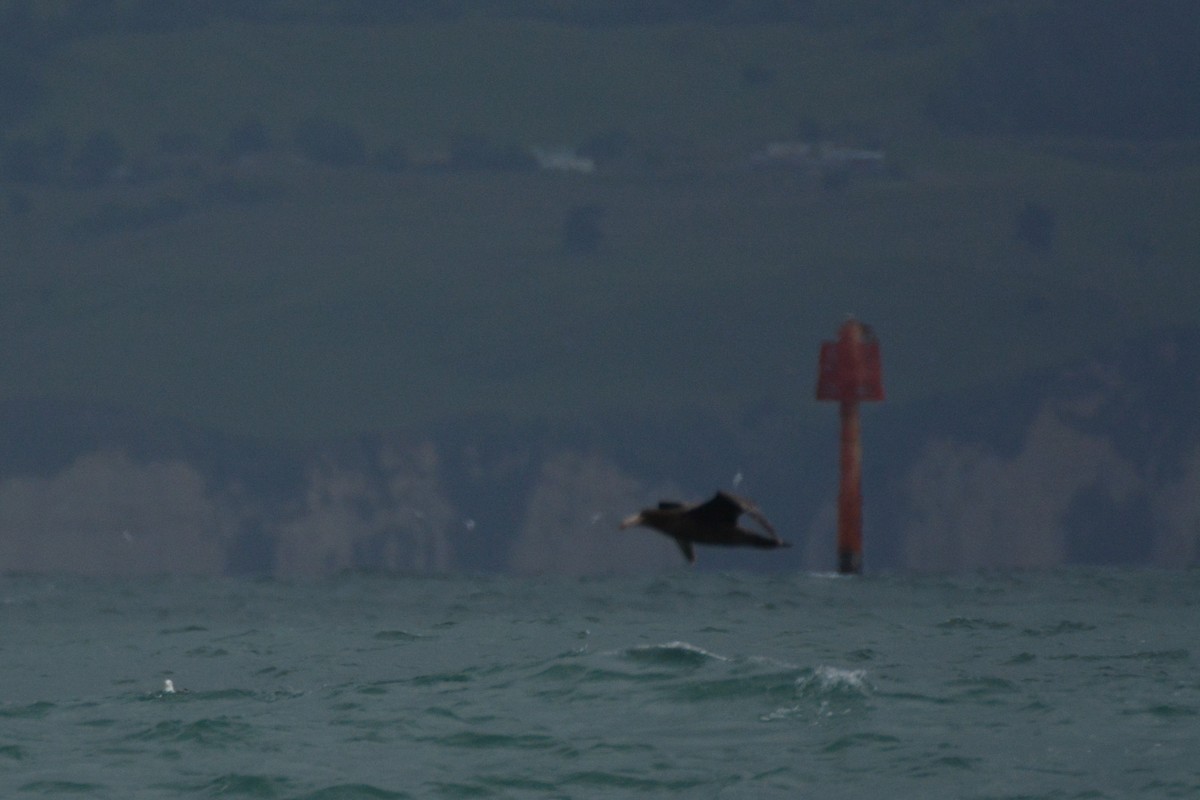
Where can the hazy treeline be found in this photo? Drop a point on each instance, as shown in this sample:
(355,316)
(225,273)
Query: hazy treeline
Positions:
(1109,67)
(49,21)
(1095,462)
(1098,463)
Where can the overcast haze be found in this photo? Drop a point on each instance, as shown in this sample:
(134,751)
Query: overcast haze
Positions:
(296,287)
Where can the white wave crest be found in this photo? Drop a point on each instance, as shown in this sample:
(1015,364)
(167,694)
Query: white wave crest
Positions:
(836,680)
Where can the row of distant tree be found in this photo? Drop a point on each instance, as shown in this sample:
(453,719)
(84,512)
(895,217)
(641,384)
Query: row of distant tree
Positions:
(28,160)
(30,30)
(71,18)
(1114,68)
(101,156)
(52,159)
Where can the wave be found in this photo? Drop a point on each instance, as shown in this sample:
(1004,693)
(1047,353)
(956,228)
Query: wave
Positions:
(672,654)
(835,681)
(215,732)
(825,691)
(913,683)
(35,710)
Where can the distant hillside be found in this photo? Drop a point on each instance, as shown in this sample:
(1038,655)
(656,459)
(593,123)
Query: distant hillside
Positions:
(1100,69)
(308,221)
(1096,463)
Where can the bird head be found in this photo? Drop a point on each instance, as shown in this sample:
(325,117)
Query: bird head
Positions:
(633,521)
(660,518)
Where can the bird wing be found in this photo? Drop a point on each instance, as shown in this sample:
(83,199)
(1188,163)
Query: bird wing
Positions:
(722,510)
(756,515)
(733,506)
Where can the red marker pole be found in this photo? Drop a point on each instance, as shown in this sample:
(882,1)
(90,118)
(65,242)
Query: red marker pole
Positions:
(850,371)
(849,541)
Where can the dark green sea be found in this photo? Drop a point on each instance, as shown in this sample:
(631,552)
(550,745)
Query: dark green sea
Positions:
(1069,684)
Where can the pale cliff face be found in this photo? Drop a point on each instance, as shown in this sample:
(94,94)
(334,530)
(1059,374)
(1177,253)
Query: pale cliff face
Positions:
(972,508)
(106,514)
(572,518)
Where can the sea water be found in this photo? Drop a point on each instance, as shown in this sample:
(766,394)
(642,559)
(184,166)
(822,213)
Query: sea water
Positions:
(1067,684)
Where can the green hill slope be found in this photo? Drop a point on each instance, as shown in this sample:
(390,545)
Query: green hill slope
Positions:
(421,267)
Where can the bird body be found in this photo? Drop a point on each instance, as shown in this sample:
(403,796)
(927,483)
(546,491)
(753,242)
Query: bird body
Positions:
(713,522)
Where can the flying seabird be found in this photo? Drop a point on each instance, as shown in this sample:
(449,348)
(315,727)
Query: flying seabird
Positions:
(712,522)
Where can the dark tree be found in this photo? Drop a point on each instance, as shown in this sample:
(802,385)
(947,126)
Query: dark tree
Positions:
(247,138)
(581,229)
